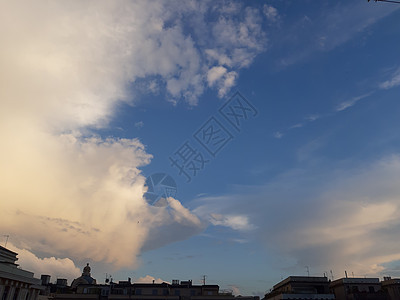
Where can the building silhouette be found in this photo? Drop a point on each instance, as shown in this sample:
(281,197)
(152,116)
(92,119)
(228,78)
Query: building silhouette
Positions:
(301,288)
(19,284)
(16,283)
(358,289)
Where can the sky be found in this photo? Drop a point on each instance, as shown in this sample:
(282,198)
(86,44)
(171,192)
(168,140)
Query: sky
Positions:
(274,125)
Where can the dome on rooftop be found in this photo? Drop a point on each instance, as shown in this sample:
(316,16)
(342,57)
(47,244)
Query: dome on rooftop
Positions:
(86,278)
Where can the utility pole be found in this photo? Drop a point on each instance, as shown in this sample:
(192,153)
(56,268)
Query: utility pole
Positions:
(204,279)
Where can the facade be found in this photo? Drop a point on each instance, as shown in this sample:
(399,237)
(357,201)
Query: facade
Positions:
(15,283)
(301,288)
(358,289)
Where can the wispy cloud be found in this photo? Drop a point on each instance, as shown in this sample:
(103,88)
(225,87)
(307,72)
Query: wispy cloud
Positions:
(139,124)
(278,135)
(298,125)
(349,103)
(393,82)
(341,216)
(271,13)
(338,24)
(210,210)
(312,117)
(236,222)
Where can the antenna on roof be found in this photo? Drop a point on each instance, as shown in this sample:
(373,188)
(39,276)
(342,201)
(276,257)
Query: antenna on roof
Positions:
(7,236)
(308,270)
(204,279)
(332,275)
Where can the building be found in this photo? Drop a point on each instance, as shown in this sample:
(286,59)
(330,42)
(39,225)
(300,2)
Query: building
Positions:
(15,283)
(358,289)
(391,287)
(177,290)
(60,286)
(301,288)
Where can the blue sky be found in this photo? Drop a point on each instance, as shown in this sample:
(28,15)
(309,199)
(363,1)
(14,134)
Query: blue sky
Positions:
(104,97)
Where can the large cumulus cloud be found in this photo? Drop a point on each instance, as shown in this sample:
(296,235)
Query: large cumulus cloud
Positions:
(65,191)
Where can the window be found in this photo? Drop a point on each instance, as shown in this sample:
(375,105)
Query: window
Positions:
(177,293)
(154,292)
(138,291)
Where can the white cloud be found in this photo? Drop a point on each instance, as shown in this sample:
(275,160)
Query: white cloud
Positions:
(65,67)
(208,208)
(235,290)
(341,219)
(228,83)
(215,74)
(222,79)
(95,49)
(149,279)
(393,82)
(347,104)
(313,117)
(55,267)
(169,224)
(237,43)
(278,134)
(139,124)
(75,195)
(298,125)
(271,13)
(354,223)
(236,222)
